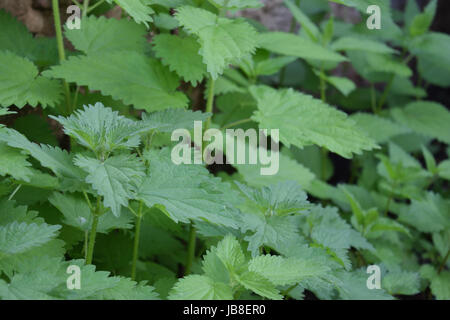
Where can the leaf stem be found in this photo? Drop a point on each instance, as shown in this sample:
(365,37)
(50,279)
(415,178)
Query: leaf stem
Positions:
(85,8)
(95,6)
(235,123)
(14,192)
(61,52)
(137,233)
(385,94)
(444,261)
(210,101)
(91,244)
(191,249)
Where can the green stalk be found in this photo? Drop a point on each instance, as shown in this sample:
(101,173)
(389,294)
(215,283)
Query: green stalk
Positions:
(93,234)
(192,232)
(137,233)
(61,52)
(385,93)
(191,249)
(444,261)
(90,252)
(210,101)
(85,8)
(323,97)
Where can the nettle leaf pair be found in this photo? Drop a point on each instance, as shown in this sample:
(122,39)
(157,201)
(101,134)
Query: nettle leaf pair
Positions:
(228,273)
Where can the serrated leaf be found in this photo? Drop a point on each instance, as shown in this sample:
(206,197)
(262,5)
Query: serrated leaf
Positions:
(59,161)
(286,271)
(236,4)
(101,129)
(139,10)
(171,119)
(428,118)
(372,123)
(21,84)
(258,284)
(106,35)
(430,214)
(223,41)
(19,237)
(304,120)
(292,45)
(230,253)
(186,192)
(77,214)
(116,179)
(191,67)
(14,163)
(196,287)
(136,80)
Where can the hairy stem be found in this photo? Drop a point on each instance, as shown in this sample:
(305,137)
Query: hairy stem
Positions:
(385,94)
(90,252)
(137,233)
(61,52)
(93,233)
(191,249)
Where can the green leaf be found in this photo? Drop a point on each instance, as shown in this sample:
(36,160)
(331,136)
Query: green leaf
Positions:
(19,237)
(401,282)
(186,192)
(191,67)
(116,179)
(139,10)
(77,214)
(171,119)
(137,80)
(440,283)
(304,120)
(434,62)
(260,285)
(430,214)
(101,129)
(236,4)
(353,286)
(292,45)
(428,118)
(230,253)
(361,44)
(306,24)
(59,161)
(444,169)
(223,41)
(106,35)
(196,287)
(372,123)
(286,271)
(281,199)
(21,84)
(14,163)
(422,22)
(17,39)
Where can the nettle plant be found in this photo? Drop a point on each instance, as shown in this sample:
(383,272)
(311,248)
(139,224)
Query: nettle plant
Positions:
(87,180)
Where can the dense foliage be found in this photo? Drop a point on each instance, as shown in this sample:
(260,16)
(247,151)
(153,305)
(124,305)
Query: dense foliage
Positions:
(86,176)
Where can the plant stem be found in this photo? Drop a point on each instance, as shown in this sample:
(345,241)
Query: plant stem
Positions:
(85,8)
(191,249)
(14,192)
(373,98)
(95,6)
(90,252)
(137,233)
(444,262)
(385,94)
(91,244)
(210,102)
(235,123)
(61,52)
